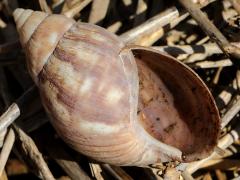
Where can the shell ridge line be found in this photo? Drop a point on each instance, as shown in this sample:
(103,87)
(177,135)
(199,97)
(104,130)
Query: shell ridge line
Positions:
(29,16)
(119,152)
(34,29)
(45,64)
(22,18)
(141,155)
(17,16)
(132,94)
(125,73)
(95,43)
(33,32)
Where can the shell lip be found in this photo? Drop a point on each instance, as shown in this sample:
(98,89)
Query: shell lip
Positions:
(136,50)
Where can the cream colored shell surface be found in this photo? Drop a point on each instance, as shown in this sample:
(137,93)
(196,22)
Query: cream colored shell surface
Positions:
(88,82)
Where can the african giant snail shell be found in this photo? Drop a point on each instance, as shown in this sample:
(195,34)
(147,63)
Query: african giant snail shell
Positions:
(110,105)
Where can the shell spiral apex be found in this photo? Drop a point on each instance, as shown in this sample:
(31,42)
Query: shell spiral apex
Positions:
(113,103)
(39,34)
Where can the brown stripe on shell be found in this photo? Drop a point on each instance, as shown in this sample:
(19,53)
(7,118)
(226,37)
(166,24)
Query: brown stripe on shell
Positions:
(86,28)
(70,55)
(23,17)
(102,149)
(93,118)
(43,42)
(30,25)
(68,100)
(100,47)
(112,156)
(77,103)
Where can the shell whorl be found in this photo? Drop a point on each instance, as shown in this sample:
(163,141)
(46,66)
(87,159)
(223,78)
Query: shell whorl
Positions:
(27,21)
(104,105)
(39,34)
(82,83)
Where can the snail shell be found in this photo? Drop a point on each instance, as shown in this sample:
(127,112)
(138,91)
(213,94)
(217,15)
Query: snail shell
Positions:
(111,105)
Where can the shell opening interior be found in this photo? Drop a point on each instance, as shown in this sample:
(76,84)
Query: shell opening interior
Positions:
(174,107)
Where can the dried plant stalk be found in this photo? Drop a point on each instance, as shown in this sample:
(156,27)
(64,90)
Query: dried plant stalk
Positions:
(31,150)
(76,8)
(141,11)
(209,28)
(213,64)
(146,33)
(233,110)
(44,6)
(117,172)
(72,169)
(7,147)
(236,5)
(150,31)
(96,171)
(223,143)
(12,113)
(99,10)
(209,48)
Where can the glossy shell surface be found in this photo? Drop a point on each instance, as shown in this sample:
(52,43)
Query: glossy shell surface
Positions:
(179,109)
(116,104)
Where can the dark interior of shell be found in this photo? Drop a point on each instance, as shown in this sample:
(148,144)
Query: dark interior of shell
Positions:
(175,107)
